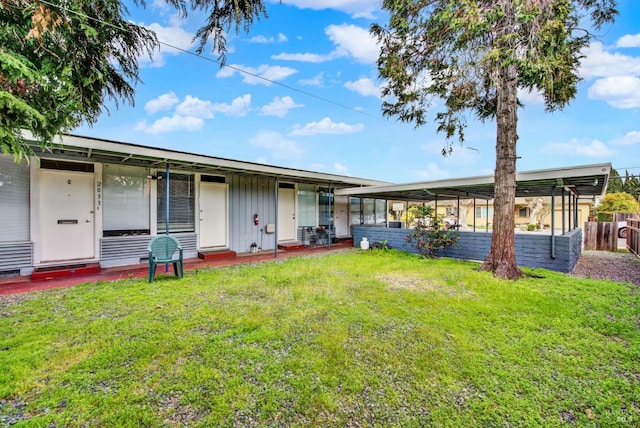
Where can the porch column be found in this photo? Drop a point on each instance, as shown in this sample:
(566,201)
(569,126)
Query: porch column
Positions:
(276,183)
(563,213)
(553,222)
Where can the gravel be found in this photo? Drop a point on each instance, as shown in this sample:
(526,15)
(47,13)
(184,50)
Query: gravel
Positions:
(618,266)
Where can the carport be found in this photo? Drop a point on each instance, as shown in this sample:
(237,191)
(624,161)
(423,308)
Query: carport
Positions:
(558,251)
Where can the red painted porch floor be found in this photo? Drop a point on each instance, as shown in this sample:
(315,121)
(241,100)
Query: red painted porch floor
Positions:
(25,284)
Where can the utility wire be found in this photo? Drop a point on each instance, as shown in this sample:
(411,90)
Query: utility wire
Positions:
(291,88)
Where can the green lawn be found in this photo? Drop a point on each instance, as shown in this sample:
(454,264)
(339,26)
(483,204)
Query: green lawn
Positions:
(344,339)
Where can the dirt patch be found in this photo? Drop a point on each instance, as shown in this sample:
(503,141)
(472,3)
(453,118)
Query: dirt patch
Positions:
(618,266)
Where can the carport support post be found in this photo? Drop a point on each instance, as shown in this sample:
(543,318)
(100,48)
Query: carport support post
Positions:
(486,218)
(166,218)
(563,214)
(166,222)
(570,197)
(575,207)
(276,183)
(553,222)
(330,219)
(474,214)
(458,213)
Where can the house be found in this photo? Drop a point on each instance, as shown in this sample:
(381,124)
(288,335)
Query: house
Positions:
(90,200)
(94,201)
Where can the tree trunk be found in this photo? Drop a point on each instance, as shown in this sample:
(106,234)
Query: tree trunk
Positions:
(501,260)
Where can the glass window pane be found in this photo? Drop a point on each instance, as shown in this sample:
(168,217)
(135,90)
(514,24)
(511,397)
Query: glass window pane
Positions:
(354,211)
(369,209)
(125,199)
(306,205)
(381,211)
(181,203)
(14,200)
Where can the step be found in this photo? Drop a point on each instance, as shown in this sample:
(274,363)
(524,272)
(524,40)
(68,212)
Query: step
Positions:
(215,255)
(291,245)
(64,271)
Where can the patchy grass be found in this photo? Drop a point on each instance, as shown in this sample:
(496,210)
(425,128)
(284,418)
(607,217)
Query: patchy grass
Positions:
(378,338)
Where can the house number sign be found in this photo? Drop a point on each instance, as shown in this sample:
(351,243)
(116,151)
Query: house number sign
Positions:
(98,194)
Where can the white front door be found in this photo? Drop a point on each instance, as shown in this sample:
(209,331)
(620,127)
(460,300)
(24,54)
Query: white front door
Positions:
(67,225)
(213,214)
(341,210)
(286,214)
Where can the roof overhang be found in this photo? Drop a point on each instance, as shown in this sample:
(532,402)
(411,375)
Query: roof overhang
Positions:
(87,149)
(583,181)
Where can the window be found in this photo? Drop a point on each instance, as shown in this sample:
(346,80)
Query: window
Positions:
(306,205)
(125,200)
(369,210)
(14,200)
(450,211)
(381,211)
(354,210)
(326,215)
(481,212)
(523,212)
(181,203)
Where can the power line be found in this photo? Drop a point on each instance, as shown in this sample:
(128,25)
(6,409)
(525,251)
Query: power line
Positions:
(240,70)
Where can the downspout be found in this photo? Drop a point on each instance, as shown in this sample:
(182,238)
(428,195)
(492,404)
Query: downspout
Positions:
(553,222)
(275,234)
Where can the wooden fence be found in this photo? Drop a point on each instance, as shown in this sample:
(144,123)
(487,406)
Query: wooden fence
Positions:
(633,235)
(601,236)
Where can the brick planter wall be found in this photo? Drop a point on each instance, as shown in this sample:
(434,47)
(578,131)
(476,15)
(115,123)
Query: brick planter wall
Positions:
(532,249)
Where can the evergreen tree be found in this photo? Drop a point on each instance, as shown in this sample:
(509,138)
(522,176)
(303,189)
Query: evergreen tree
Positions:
(474,55)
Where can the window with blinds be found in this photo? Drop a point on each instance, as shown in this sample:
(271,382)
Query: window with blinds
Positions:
(14,200)
(181,203)
(306,205)
(125,200)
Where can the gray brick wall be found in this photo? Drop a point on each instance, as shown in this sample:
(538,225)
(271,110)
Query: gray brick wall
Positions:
(532,250)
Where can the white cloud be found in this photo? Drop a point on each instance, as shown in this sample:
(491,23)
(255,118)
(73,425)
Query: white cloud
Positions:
(356,8)
(590,149)
(195,107)
(279,107)
(431,172)
(354,41)
(317,80)
(527,96)
(326,126)
(365,87)
(266,40)
(239,107)
(264,74)
(174,36)
(632,137)
(599,62)
(171,124)
(304,57)
(277,145)
(341,169)
(617,91)
(629,41)
(163,102)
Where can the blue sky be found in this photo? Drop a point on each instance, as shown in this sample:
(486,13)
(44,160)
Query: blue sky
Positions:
(323,112)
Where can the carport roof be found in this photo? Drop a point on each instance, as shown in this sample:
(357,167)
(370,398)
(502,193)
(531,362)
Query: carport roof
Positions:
(583,181)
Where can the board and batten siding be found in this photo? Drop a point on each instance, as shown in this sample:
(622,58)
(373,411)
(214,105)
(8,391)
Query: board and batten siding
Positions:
(249,196)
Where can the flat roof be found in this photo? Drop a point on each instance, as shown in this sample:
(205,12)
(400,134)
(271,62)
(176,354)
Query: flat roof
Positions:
(583,181)
(88,149)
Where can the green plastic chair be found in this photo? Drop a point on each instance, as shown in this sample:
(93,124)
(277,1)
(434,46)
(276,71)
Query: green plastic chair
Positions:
(165,249)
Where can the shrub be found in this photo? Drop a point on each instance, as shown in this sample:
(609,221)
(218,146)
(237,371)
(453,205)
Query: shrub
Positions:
(428,235)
